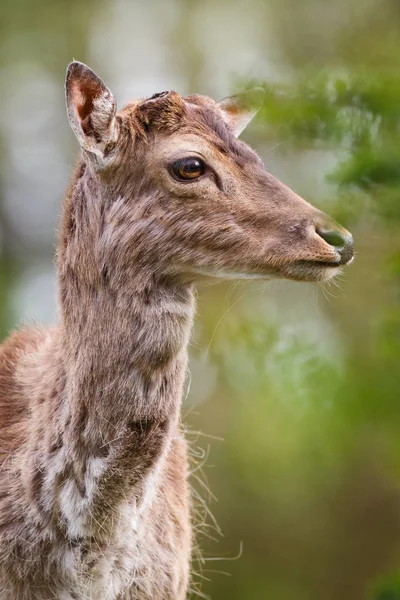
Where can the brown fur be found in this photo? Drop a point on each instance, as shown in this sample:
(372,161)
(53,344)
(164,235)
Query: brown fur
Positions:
(94,499)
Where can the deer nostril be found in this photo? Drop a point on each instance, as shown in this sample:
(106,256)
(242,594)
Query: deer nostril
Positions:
(332,237)
(343,242)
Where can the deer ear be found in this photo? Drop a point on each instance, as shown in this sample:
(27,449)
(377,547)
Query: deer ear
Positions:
(91,109)
(240,109)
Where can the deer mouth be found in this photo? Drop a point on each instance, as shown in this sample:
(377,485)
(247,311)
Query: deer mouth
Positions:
(342,262)
(320,264)
(314,270)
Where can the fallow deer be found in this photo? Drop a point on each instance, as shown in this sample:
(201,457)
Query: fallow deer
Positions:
(94,500)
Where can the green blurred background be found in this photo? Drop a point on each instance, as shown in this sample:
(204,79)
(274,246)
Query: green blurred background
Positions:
(294,387)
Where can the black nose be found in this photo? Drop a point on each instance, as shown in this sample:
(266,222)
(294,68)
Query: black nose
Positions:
(343,242)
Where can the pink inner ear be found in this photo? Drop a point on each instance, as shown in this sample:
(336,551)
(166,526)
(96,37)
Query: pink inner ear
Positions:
(83,93)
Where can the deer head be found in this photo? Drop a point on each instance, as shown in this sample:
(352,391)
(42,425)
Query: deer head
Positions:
(177,195)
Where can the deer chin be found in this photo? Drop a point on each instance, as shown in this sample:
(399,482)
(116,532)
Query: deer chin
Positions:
(302,270)
(312,271)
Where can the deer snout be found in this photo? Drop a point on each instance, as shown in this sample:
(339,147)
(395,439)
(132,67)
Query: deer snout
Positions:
(338,238)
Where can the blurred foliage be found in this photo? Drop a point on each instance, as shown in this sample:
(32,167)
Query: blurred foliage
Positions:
(357,112)
(328,441)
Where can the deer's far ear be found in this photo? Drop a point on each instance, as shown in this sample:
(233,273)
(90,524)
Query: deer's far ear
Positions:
(91,109)
(240,109)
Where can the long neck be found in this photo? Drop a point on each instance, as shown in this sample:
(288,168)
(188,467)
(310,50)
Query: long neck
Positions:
(124,332)
(126,354)
(124,339)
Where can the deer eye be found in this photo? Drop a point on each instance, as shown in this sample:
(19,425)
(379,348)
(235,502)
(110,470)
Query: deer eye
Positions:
(186,169)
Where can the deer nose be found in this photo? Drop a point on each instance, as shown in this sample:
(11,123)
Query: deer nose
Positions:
(342,241)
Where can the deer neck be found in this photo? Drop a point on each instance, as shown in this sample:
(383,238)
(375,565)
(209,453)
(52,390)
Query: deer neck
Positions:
(124,334)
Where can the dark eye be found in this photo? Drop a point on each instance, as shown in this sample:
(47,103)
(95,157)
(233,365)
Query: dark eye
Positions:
(187,169)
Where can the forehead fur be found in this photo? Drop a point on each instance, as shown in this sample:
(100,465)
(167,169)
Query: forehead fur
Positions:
(169,112)
(164,111)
